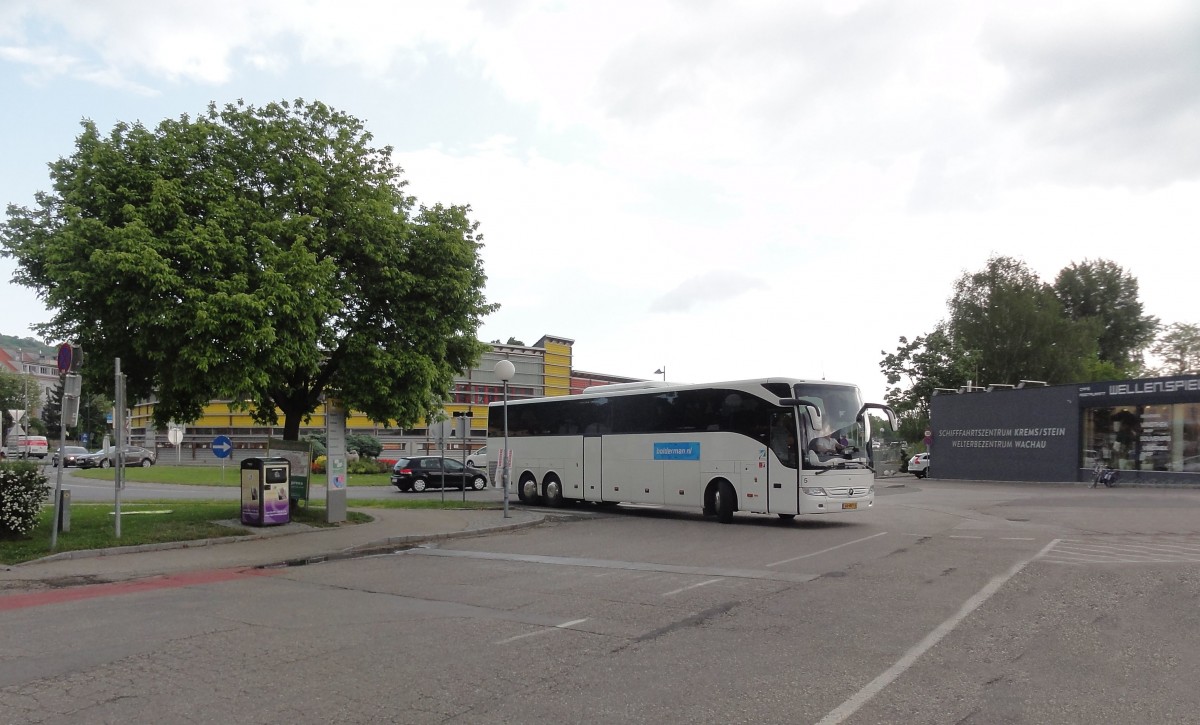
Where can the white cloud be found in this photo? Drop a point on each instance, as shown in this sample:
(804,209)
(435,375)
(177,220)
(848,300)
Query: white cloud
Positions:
(710,288)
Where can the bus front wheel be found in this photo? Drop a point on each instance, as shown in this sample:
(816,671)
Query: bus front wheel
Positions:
(725,503)
(554,494)
(527,491)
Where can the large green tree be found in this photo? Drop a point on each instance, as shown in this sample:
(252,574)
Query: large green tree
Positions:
(1102,291)
(262,255)
(1015,329)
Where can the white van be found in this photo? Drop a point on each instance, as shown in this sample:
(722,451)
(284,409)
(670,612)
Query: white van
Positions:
(29,447)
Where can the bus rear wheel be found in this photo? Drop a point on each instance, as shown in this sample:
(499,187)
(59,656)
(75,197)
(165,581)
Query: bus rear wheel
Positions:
(725,503)
(554,494)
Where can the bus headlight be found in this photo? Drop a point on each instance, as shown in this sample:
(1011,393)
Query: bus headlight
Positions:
(814,491)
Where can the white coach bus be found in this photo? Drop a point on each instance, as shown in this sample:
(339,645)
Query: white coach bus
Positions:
(771,446)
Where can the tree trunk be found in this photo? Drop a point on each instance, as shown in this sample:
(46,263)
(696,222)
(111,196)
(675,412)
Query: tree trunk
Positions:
(291,425)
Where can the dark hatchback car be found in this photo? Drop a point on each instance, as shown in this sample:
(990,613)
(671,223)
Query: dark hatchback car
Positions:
(70,456)
(134,456)
(424,472)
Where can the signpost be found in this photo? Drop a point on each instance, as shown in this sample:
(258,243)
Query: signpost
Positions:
(119,444)
(175,437)
(462,421)
(68,360)
(222,447)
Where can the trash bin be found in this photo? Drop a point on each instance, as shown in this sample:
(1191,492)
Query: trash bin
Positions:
(64,510)
(265,491)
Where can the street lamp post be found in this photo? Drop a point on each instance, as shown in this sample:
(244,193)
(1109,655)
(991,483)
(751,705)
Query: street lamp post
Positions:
(505,370)
(663,372)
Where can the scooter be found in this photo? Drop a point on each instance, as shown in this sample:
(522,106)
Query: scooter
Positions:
(1105,475)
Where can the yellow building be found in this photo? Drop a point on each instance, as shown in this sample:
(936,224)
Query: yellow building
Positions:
(542,369)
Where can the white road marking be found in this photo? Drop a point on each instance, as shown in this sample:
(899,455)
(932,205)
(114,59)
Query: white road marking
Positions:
(875,686)
(564,625)
(823,551)
(965,537)
(634,566)
(691,586)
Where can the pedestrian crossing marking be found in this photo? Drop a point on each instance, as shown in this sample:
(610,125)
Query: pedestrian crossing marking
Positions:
(1110,550)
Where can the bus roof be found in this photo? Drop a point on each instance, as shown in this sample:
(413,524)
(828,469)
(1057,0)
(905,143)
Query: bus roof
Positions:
(659,386)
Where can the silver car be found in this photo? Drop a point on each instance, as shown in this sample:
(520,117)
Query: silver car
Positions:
(134,456)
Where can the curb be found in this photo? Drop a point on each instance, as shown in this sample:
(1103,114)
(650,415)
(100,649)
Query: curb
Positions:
(394,543)
(140,548)
(370,548)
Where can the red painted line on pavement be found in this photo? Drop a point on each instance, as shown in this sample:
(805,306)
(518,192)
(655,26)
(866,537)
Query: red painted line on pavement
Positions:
(115,589)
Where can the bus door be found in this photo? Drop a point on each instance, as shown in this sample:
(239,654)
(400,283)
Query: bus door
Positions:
(592,467)
(783,465)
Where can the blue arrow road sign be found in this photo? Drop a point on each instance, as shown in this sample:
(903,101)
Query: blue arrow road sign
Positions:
(222,447)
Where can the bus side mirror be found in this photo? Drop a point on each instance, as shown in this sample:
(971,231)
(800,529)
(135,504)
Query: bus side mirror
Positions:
(891,414)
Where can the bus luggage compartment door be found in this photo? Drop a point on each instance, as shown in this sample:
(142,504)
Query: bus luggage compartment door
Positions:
(593,447)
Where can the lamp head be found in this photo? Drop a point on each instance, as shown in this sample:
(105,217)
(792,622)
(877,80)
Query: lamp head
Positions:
(505,370)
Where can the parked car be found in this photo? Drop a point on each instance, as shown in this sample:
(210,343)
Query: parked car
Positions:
(424,472)
(134,456)
(478,459)
(918,465)
(70,454)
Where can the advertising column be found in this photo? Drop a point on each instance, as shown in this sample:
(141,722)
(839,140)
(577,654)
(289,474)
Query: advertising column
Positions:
(335,462)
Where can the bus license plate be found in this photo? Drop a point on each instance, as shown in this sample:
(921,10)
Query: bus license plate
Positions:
(850,505)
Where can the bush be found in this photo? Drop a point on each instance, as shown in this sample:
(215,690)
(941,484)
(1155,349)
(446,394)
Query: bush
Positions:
(23,489)
(317,441)
(367,446)
(367,465)
(318,464)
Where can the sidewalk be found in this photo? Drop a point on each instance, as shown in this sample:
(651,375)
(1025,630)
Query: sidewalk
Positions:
(288,544)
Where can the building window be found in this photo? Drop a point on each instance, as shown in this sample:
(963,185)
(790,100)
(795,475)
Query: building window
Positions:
(1143,437)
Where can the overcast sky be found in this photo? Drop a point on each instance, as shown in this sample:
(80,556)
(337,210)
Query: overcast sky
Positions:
(728,189)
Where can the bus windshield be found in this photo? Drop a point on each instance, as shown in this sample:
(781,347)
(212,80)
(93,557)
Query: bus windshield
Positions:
(842,436)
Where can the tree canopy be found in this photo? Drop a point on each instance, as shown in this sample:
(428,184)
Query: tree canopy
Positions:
(1179,349)
(262,255)
(927,363)
(1014,328)
(1102,291)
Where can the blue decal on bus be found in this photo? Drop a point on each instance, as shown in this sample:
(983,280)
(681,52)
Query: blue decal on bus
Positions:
(677,451)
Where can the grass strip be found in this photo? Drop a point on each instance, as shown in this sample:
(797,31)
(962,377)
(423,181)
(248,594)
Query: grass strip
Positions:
(155,522)
(207,476)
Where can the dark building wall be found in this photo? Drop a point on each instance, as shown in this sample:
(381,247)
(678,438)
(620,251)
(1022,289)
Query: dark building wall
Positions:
(1006,435)
(1149,429)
